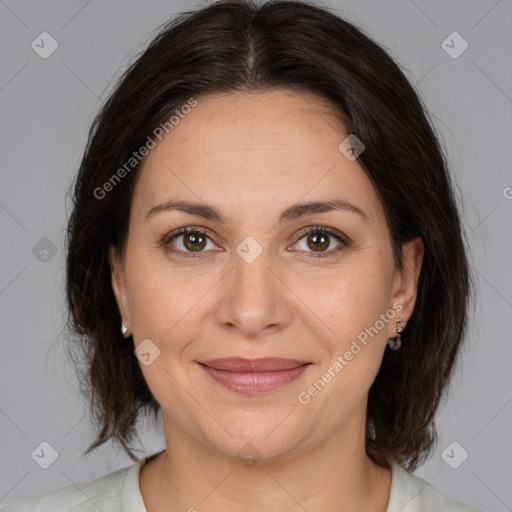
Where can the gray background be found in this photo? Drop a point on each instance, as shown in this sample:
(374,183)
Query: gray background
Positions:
(47,106)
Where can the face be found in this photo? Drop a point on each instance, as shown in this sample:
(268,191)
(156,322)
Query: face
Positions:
(257,276)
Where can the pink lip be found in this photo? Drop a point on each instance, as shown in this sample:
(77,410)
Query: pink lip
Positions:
(266,364)
(253,375)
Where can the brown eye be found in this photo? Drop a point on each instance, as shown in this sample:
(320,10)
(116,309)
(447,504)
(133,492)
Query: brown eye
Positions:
(318,242)
(194,241)
(188,240)
(321,241)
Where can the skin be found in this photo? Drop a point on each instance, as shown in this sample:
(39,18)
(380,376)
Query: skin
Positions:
(251,155)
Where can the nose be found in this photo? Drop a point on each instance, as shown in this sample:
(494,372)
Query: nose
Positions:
(255,299)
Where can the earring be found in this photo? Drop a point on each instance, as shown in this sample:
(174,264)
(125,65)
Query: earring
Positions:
(396,343)
(124,329)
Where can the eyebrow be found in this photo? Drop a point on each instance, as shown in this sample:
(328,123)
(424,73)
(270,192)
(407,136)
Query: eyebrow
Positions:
(291,213)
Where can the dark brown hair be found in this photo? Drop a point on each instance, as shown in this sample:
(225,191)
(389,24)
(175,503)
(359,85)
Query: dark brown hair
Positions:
(242,45)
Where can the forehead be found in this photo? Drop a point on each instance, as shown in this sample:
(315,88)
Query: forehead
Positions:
(265,149)
(273,120)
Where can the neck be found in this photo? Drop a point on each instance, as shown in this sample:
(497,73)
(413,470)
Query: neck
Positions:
(335,475)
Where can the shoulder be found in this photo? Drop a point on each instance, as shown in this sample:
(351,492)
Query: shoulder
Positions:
(411,493)
(104,493)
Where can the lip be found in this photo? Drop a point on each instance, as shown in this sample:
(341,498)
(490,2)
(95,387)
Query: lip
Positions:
(242,365)
(249,376)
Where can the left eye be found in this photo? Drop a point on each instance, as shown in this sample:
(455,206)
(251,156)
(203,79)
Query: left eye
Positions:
(319,241)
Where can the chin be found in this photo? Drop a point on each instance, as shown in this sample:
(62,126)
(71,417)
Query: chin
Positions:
(262,439)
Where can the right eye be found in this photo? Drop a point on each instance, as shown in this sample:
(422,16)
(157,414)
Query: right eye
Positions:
(188,240)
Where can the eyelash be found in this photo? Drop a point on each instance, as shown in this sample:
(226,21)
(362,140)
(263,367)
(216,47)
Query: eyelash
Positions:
(308,231)
(328,231)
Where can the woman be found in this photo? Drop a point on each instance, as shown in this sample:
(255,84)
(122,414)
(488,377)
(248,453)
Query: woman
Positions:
(265,247)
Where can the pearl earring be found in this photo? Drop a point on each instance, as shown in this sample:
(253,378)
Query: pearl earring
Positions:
(396,343)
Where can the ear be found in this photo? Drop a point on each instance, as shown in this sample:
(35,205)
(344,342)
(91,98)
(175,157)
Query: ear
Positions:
(406,279)
(119,283)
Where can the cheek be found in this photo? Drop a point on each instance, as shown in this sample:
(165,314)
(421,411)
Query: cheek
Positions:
(352,305)
(167,309)
(347,299)
(166,301)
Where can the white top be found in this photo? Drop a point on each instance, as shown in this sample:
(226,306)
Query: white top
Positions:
(119,491)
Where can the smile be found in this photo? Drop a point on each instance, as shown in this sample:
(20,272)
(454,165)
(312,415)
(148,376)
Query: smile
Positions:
(254,376)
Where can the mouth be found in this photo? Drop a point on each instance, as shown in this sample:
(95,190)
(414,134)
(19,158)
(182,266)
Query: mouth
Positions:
(249,376)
